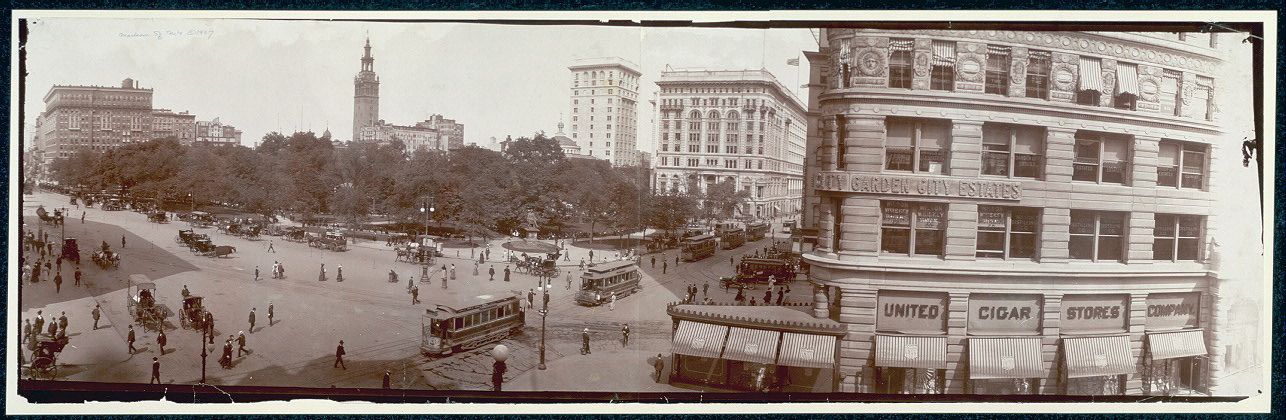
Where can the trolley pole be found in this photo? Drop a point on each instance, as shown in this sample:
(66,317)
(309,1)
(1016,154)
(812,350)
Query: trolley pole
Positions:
(544,312)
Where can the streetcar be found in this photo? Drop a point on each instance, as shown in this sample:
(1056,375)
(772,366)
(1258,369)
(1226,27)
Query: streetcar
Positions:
(694,230)
(756,231)
(698,247)
(732,235)
(601,280)
(446,329)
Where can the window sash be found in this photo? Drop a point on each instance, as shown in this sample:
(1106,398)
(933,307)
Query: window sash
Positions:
(913,228)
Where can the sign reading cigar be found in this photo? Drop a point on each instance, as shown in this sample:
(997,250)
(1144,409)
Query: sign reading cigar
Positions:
(918,186)
(1004,314)
(1173,311)
(1095,314)
(911,312)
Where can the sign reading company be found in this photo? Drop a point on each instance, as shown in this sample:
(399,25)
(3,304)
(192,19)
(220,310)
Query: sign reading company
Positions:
(1094,314)
(911,312)
(1172,311)
(919,186)
(1004,314)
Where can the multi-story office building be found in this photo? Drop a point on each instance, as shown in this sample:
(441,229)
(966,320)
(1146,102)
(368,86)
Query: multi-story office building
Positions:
(95,118)
(604,105)
(216,133)
(180,126)
(448,129)
(1005,212)
(740,126)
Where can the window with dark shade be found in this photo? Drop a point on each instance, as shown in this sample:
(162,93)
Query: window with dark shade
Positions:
(841,142)
(1176,237)
(1097,236)
(997,79)
(1181,164)
(1007,232)
(1100,158)
(916,145)
(1012,150)
(900,66)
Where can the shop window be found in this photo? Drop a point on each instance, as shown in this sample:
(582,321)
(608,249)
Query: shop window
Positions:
(1100,158)
(900,67)
(1004,386)
(1181,165)
(916,145)
(997,80)
(1175,377)
(1012,150)
(892,380)
(1097,236)
(942,70)
(1176,237)
(912,228)
(1007,232)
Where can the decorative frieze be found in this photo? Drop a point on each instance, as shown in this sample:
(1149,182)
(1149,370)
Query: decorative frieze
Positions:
(971,66)
(1063,75)
(872,61)
(923,55)
(1018,72)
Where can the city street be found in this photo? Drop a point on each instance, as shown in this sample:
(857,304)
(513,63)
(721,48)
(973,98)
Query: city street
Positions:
(379,326)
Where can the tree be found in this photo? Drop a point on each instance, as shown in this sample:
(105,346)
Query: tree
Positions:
(721,200)
(669,212)
(540,151)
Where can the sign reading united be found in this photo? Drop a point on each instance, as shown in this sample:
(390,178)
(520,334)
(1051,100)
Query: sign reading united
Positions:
(920,186)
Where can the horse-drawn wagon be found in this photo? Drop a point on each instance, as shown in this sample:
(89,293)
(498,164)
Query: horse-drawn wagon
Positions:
(141,303)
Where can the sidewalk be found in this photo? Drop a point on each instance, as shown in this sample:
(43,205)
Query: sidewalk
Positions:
(601,371)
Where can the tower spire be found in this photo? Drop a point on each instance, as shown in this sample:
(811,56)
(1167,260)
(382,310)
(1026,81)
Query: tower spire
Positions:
(368,62)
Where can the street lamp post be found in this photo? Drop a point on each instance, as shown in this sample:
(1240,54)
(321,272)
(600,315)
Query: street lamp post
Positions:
(203,355)
(544,312)
(500,353)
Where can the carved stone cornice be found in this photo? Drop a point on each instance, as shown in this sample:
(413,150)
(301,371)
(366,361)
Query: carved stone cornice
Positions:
(1128,48)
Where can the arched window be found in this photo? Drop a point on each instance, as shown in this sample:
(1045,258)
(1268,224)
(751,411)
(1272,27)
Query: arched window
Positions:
(695,115)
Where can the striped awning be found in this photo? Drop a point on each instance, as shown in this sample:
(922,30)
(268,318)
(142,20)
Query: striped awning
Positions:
(807,350)
(1005,358)
(1127,79)
(896,45)
(1091,75)
(944,53)
(1098,356)
(747,345)
(998,50)
(911,351)
(1176,344)
(699,339)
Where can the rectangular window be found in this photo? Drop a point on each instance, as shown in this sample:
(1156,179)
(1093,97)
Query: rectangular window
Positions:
(1100,158)
(1007,232)
(1012,150)
(942,74)
(900,66)
(1038,65)
(837,216)
(712,148)
(1090,84)
(1202,97)
(1097,236)
(844,75)
(912,228)
(732,150)
(1176,238)
(841,142)
(1127,86)
(1182,165)
(916,145)
(997,80)
(1169,92)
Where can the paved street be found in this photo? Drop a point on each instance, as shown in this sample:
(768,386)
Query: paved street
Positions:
(375,319)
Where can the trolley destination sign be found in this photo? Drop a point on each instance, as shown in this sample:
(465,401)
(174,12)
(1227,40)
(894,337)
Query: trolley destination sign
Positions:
(918,186)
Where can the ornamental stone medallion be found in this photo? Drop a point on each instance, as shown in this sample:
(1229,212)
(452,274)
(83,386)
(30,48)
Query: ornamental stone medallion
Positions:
(870,63)
(1109,82)
(1148,89)
(922,63)
(970,69)
(1017,71)
(1064,79)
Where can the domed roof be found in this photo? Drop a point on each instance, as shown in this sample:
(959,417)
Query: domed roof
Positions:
(563,140)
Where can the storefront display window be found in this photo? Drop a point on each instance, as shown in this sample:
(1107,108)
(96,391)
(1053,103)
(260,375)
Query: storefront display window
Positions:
(892,380)
(1005,386)
(1178,376)
(1096,385)
(702,370)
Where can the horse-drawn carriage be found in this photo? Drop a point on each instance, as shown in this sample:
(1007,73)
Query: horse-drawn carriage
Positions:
(113,204)
(537,266)
(330,240)
(158,217)
(194,313)
(753,271)
(105,259)
(44,356)
(273,230)
(295,234)
(71,251)
(247,230)
(141,303)
(220,251)
(200,219)
(56,218)
(417,254)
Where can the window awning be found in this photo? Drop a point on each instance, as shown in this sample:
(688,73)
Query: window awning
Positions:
(1098,356)
(1005,358)
(1176,344)
(1127,79)
(1091,76)
(911,351)
(896,45)
(998,50)
(747,345)
(807,350)
(699,339)
(944,53)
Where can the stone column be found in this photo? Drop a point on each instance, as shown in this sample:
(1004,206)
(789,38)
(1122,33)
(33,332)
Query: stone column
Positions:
(1051,316)
(922,57)
(965,159)
(1144,153)
(1107,96)
(1149,89)
(865,142)
(1063,76)
(1055,231)
(857,313)
(962,232)
(1060,144)
(1137,326)
(971,63)
(957,374)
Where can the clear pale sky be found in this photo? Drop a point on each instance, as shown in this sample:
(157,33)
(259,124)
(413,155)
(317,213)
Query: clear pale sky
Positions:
(264,76)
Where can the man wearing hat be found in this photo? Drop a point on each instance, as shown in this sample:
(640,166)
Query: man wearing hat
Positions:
(339,355)
(584,338)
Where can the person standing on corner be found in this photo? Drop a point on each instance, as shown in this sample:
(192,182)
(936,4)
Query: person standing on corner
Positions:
(252,320)
(130,338)
(491,272)
(506,273)
(584,338)
(269,314)
(160,341)
(321,276)
(156,371)
(339,273)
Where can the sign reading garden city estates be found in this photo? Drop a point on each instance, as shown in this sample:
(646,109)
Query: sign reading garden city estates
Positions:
(918,186)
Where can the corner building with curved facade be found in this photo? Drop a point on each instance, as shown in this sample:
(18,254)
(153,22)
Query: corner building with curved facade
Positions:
(1005,212)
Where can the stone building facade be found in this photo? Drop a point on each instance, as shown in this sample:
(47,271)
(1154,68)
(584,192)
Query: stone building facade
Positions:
(604,105)
(1005,212)
(95,118)
(742,126)
(180,126)
(216,133)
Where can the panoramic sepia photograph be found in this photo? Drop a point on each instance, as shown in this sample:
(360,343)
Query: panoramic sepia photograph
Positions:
(273,209)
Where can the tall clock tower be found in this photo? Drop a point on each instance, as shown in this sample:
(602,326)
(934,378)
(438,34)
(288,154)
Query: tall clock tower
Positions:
(366,95)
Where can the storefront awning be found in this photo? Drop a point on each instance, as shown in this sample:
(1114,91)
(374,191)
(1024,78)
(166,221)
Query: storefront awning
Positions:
(747,345)
(807,350)
(911,351)
(1005,358)
(1176,344)
(1098,356)
(699,339)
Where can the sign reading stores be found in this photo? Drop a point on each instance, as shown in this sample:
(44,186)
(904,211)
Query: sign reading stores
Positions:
(919,186)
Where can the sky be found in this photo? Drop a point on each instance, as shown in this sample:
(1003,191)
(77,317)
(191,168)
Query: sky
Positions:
(263,76)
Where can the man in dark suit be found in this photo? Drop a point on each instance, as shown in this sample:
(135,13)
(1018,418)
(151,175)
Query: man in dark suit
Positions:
(156,371)
(339,355)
